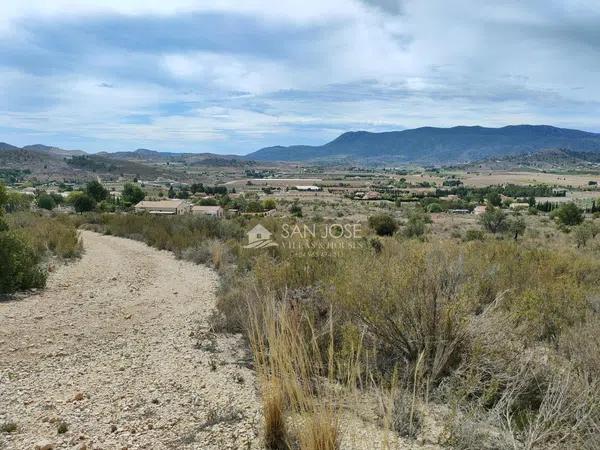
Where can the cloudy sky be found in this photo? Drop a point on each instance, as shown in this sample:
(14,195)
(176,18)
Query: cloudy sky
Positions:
(232,76)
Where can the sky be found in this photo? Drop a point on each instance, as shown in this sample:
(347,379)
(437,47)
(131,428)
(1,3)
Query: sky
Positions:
(229,76)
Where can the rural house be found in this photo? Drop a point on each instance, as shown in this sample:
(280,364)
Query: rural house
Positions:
(215,211)
(166,207)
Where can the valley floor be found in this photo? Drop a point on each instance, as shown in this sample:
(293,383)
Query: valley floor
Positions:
(116,354)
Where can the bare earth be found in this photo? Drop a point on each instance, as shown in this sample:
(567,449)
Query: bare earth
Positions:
(110,348)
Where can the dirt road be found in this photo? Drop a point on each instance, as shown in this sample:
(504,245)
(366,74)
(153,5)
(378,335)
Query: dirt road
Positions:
(108,356)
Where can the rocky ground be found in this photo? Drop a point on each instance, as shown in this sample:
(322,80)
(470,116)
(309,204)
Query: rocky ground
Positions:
(116,354)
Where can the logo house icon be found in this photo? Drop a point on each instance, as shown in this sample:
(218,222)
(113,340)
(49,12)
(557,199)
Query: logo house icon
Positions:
(260,237)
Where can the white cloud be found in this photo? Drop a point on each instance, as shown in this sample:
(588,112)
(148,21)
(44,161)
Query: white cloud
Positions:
(428,62)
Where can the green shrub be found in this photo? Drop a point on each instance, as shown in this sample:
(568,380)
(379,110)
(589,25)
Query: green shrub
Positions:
(84,203)
(416,226)
(46,201)
(434,208)
(383,224)
(474,235)
(19,264)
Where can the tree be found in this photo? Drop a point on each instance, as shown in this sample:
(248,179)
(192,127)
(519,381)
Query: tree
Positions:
(582,233)
(493,220)
(171,193)
(46,201)
(132,194)
(494,199)
(95,190)
(517,226)
(569,214)
(84,203)
(594,228)
(183,193)
(383,224)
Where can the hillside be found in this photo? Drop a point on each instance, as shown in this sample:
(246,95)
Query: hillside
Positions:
(546,160)
(44,162)
(428,144)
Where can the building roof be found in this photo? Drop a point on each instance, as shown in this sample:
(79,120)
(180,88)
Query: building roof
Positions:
(308,188)
(206,208)
(175,203)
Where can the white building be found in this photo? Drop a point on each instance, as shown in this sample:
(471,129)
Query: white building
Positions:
(166,207)
(216,211)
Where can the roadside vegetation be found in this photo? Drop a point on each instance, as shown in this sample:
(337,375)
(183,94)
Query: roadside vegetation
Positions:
(29,242)
(492,328)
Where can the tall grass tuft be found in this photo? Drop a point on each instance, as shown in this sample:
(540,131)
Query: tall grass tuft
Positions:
(292,373)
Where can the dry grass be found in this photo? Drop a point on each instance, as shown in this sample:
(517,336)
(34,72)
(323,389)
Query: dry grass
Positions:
(320,431)
(275,429)
(293,378)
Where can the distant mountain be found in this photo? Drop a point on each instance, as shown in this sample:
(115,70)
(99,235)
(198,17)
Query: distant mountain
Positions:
(559,159)
(144,155)
(435,145)
(52,163)
(7,147)
(53,150)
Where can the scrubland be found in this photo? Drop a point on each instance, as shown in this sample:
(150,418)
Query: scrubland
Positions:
(440,332)
(444,340)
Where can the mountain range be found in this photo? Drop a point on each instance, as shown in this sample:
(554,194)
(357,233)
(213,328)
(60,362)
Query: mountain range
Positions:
(461,144)
(435,145)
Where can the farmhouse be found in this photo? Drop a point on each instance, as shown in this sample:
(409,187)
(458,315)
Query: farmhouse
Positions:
(479,209)
(372,195)
(165,207)
(517,206)
(308,188)
(215,211)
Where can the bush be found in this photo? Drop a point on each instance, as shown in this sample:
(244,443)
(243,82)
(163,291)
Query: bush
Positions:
(296,210)
(474,235)
(19,263)
(46,201)
(434,208)
(383,224)
(47,235)
(416,225)
(82,202)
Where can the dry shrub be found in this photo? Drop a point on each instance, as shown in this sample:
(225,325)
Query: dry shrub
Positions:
(412,299)
(568,416)
(581,345)
(48,235)
(175,233)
